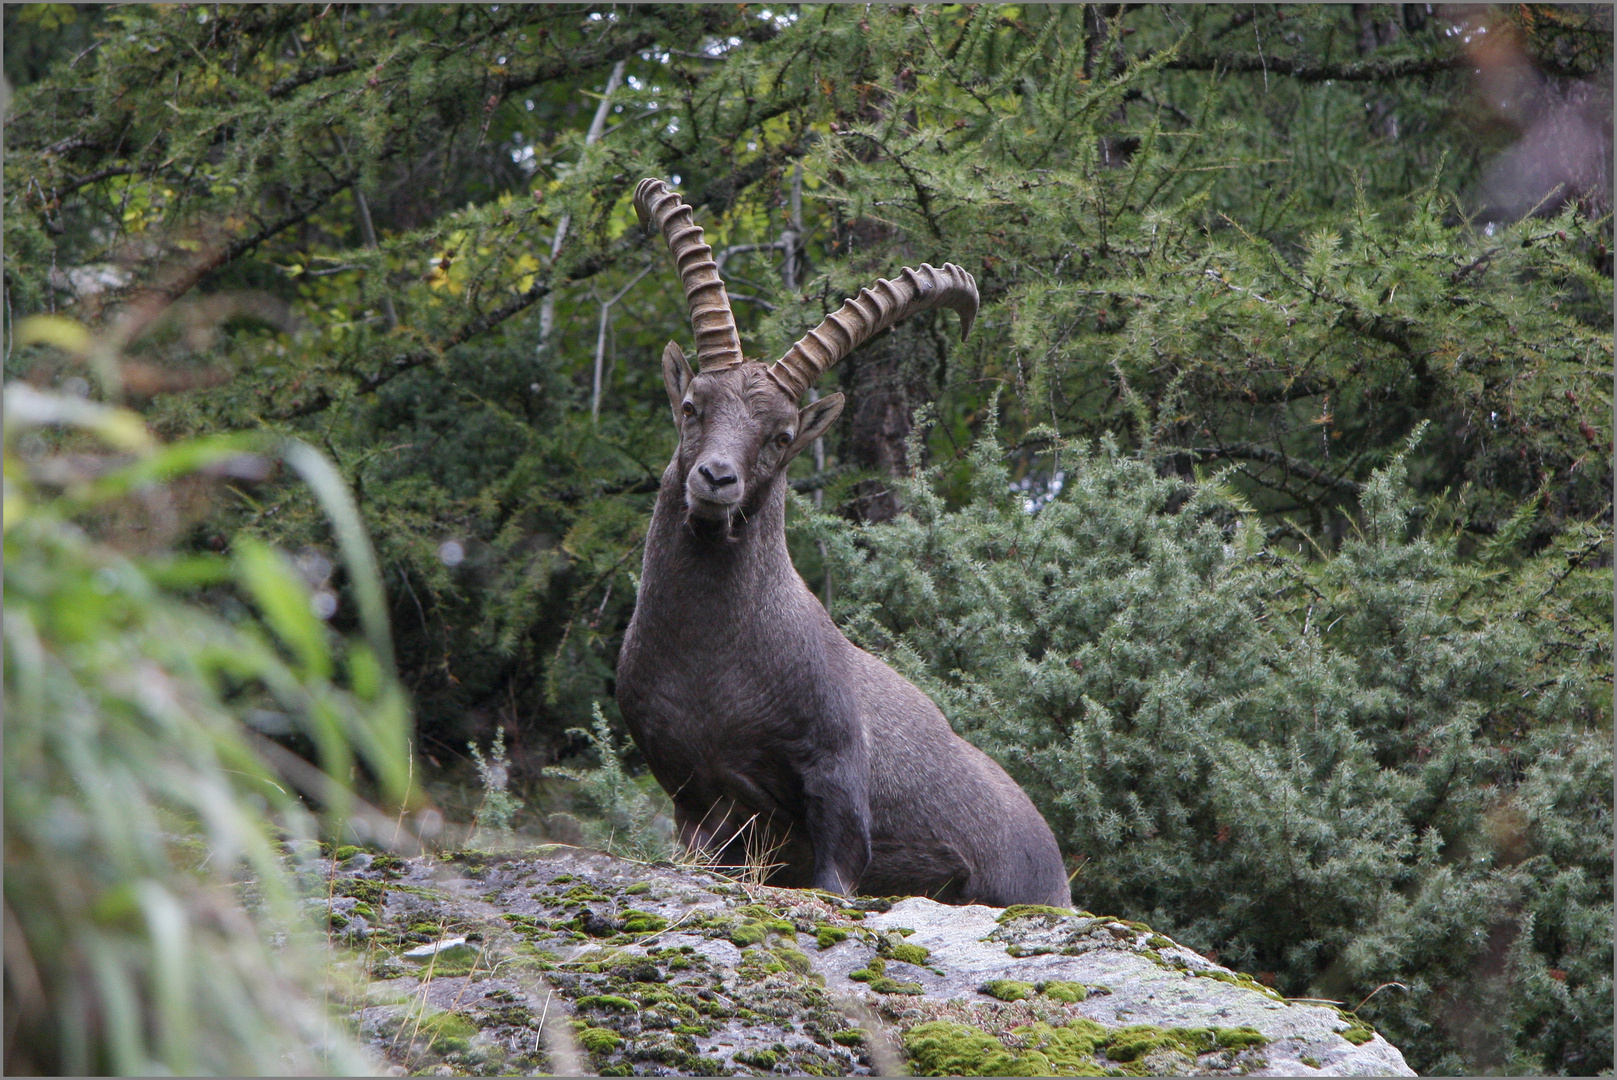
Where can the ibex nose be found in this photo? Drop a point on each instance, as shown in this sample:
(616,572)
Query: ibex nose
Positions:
(717,473)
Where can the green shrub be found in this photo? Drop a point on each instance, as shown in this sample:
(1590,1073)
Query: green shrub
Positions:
(1388,764)
(627,811)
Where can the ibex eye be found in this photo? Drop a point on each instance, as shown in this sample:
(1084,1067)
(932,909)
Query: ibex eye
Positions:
(690,410)
(784,438)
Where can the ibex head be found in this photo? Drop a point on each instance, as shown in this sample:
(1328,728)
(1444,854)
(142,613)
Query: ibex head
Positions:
(738,420)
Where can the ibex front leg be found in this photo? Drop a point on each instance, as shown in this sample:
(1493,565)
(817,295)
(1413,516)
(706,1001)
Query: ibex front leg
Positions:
(836,811)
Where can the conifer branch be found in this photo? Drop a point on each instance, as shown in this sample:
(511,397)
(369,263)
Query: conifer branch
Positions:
(1305,69)
(285,86)
(1246,451)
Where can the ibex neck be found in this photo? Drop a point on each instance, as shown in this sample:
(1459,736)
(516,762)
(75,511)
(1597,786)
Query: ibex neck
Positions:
(701,559)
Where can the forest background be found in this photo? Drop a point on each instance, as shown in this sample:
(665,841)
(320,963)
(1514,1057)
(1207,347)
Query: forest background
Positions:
(1261,528)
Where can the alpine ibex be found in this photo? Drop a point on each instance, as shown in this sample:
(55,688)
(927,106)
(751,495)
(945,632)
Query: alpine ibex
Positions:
(765,725)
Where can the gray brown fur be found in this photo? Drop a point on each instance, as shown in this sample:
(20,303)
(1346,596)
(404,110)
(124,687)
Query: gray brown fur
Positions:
(767,727)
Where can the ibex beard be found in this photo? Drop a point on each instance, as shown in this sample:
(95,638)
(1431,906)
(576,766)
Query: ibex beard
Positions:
(767,727)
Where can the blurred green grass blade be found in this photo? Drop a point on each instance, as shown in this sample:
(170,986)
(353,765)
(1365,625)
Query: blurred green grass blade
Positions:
(283,599)
(387,729)
(363,576)
(187,571)
(170,462)
(172,951)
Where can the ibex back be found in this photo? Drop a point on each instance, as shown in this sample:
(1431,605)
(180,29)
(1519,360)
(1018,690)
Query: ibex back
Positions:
(774,735)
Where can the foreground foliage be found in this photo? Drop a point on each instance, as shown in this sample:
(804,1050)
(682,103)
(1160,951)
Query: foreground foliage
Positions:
(140,811)
(1391,764)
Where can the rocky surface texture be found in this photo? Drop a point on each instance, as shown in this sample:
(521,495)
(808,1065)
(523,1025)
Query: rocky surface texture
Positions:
(569,961)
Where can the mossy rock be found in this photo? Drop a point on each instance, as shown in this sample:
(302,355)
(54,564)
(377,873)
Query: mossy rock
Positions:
(643,922)
(793,957)
(826,936)
(584,894)
(638,969)
(1157,941)
(606,1001)
(449,1032)
(875,975)
(1023,911)
(759,1059)
(639,888)
(850,1037)
(919,955)
(1357,1032)
(371,892)
(1246,982)
(880,904)
(1007,989)
(346,852)
(947,1048)
(1135,1042)
(1060,990)
(754,931)
(1240,1038)
(599,1040)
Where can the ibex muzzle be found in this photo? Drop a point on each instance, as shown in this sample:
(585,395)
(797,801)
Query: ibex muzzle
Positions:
(777,739)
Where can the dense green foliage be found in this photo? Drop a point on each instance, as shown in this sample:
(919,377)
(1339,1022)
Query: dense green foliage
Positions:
(1260,238)
(1391,765)
(139,811)
(1251,267)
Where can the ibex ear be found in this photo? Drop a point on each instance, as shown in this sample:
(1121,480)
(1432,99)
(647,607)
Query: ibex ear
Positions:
(812,420)
(677,376)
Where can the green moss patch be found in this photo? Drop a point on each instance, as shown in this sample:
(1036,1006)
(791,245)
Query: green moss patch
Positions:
(1060,990)
(1023,911)
(599,1040)
(1236,978)
(850,1037)
(639,888)
(759,1059)
(918,955)
(875,974)
(793,957)
(371,892)
(606,1001)
(1007,989)
(827,936)
(947,1048)
(1357,1032)
(448,1033)
(643,922)
(753,931)
(584,894)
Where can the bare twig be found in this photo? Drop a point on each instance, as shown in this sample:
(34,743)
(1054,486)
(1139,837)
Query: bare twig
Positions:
(1378,990)
(600,340)
(547,310)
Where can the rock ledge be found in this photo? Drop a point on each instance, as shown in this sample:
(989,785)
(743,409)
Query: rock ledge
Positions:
(566,960)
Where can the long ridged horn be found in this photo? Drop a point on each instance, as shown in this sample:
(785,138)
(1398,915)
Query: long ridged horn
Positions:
(875,309)
(718,345)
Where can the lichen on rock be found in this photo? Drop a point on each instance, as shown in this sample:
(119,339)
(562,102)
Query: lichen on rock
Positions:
(571,958)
